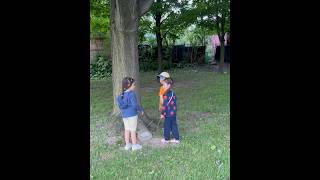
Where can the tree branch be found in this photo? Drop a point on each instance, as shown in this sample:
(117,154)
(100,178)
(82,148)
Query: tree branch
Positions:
(144,6)
(167,17)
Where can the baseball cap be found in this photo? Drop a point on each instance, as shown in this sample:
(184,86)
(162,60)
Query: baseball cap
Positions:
(164,74)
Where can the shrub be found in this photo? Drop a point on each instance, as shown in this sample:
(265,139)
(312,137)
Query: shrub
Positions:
(102,68)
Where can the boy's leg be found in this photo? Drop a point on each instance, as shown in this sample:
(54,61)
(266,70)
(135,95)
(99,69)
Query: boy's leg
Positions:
(166,130)
(175,131)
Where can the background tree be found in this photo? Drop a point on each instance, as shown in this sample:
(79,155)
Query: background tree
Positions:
(164,17)
(214,15)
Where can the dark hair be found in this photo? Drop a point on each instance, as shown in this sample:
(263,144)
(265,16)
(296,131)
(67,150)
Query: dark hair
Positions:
(126,84)
(169,81)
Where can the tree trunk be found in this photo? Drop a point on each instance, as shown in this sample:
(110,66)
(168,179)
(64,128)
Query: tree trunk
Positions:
(158,35)
(221,63)
(221,38)
(159,40)
(194,53)
(170,58)
(124,18)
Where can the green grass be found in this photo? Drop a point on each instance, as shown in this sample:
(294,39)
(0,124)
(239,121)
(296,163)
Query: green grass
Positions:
(203,119)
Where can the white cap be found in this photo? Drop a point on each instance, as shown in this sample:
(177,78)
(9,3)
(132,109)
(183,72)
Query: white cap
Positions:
(164,74)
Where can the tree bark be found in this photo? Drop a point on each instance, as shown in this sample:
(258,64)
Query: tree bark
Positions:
(159,40)
(221,63)
(124,18)
(170,58)
(221,38)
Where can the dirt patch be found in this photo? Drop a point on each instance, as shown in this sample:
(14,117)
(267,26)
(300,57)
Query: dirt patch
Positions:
(156,143)
(153,143)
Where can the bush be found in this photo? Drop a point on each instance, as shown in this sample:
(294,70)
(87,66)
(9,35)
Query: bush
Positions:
(148,65)
(102,68)
(183,65)
(146,61)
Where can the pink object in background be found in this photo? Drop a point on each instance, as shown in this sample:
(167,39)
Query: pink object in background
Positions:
(215,42)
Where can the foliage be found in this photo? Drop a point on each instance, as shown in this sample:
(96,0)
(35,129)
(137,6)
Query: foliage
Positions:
(99,16)
(102,68)
(148,66)
(197,35)
(146,60)
(144,28)
(213,15)
(171,26)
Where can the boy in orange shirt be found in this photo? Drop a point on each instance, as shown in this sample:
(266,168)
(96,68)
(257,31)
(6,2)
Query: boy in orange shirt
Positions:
(162,77)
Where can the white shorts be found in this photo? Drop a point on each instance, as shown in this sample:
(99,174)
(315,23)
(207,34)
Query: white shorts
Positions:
(130,123)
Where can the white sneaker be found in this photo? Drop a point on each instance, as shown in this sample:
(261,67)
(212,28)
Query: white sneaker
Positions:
(175,141)
(163,141)
(136,147)
(128,146)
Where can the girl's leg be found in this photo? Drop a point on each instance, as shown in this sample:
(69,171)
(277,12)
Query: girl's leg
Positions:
(175,131)
(166,130)
(133,137)
(135,146)
(171,126)
(126,131)
(126,136)
(133,128)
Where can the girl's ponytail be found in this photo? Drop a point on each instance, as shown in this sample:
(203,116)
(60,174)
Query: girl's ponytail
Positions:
(122,93)
(126,83)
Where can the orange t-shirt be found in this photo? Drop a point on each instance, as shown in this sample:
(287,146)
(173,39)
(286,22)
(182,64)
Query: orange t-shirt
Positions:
(161,92)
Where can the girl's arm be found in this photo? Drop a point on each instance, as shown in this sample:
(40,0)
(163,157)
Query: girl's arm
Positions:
(164,104)
(134,103)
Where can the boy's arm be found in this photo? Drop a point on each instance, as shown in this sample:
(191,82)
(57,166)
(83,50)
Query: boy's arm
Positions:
(160,97)
(160,102)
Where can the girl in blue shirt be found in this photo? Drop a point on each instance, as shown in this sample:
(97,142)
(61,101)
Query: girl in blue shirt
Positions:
(129,109)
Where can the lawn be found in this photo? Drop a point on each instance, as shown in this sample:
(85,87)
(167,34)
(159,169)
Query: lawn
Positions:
(203,99)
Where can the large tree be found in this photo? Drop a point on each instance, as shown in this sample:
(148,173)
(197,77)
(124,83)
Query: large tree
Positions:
(124,18)
(214,15)
(164,18)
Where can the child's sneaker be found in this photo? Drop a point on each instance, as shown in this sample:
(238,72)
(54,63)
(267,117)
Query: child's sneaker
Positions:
(136,147)
(128,146)
(163,141)
(174,141)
